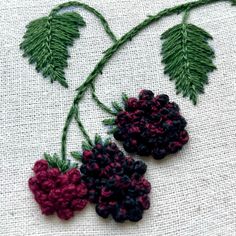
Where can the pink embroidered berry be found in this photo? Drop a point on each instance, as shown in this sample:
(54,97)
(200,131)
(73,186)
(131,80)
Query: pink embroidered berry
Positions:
(33,184)
(40,166)
(47,208)
(58,192)
(150,126)
(115,183)
(65,214)
(62,180)
(82,190)
(74,175)
(48,184)
(42,176)
(54,194)
(53,173)
(78,204)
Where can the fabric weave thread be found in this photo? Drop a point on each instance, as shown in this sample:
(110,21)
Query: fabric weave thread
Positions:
(193,194)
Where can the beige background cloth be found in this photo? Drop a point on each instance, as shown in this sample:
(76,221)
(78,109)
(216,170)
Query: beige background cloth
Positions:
(193,192)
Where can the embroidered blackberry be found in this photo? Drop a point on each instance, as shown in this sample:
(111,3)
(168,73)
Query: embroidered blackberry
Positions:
(54,191)
(115,183)
(150,125)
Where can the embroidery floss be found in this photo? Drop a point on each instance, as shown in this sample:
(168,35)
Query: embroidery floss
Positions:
(150,126)
(188,58)
(46,41)
(54,191)
(115,182)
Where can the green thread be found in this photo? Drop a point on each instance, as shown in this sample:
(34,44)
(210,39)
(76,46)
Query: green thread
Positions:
(126,38)
(108,54)
(186,15)
(86,146)
(98,139)
(69,118)
(100,104)
(109,122)
(46,41)
(73,113)
(90,9)
(54,161)
(117,107)
(188,58)
(77,155)
(81,127)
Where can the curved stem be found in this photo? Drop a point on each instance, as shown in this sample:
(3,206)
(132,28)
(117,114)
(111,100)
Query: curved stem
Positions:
(81,127)
(186,15)
(90,9)
(132,33)
(65,131)
(124,39)
(99,103)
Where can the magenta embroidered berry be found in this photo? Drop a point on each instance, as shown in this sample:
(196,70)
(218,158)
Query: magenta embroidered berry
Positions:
(115,183)
(58,192)
(40,166)
(150,125)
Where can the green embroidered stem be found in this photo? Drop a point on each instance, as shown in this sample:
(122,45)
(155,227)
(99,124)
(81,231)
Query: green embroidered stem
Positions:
(81,127)
(186,15)
(124,39)
(132,33)
(100,104)
(90,9)
(65,131)
(73,113)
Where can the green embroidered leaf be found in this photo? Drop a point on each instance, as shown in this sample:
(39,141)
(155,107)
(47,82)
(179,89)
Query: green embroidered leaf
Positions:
(107,141)
(233,2)
(98,139)
(46,41)
(124,98)
(112,130)
(188,58)
(76,155)
(86,146)
(55,162)
(116,106)
(109,121)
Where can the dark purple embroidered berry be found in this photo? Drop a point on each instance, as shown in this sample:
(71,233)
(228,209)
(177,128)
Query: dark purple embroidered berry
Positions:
(151,126)
(115,183)
(54,191)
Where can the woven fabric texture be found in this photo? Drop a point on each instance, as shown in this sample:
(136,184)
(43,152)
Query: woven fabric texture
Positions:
(193,192)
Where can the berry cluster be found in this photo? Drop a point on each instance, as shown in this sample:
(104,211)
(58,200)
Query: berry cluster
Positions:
(151,126)
(58,192)
(115,183)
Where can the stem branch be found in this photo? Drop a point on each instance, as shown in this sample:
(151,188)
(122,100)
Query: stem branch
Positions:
(186,15)
(90,9)
(99,103)
(81,127)
(116,46)
(65,131)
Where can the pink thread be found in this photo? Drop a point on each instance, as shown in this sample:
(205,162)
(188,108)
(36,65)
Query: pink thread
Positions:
(58,192)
